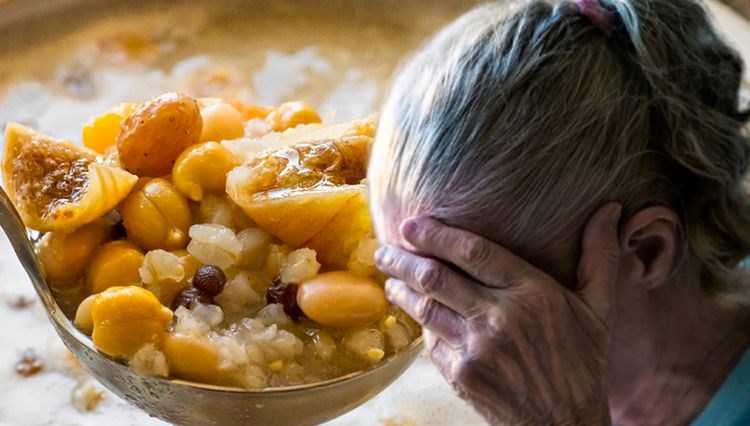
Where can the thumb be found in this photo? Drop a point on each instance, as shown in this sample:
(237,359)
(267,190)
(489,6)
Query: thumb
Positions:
(600,256)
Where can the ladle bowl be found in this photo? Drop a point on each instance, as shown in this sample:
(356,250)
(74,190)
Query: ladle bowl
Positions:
(188,403)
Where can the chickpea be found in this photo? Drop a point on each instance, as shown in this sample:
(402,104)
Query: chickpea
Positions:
(83,319)
(116,264)
(193,358)
(101,132)
(292,114)
(65,257)
(203,168)
(152,138)
(126,318)
(341,299)
(157,216)
(276,366)
(221,121)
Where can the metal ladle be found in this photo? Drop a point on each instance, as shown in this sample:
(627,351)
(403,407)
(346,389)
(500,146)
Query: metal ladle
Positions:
(189,403)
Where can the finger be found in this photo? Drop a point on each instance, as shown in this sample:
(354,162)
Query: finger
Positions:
(440,352)
(600,255)
(485,261)
(427,311)
(432,278)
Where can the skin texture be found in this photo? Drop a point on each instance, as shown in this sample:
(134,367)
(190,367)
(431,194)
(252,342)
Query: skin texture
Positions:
(637,340)
(520,347)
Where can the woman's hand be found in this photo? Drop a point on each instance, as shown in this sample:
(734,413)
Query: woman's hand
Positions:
(516,344)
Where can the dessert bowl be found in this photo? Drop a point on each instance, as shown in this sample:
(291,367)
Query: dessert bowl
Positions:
(188,403)
(320,342)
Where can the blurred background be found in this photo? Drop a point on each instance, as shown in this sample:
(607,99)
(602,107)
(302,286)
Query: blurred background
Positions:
(741,6)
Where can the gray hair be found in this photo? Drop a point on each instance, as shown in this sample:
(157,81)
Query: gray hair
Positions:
(521,119)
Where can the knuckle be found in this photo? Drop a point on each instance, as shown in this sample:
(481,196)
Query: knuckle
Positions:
(477,346)
(391,288)
(423,233)
(432,346)
(476,251)
(517,277)
(429,277)
(387,260)
(496,320)
(426,311)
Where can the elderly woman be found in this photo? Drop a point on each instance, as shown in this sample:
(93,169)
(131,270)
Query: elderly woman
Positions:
(559,190)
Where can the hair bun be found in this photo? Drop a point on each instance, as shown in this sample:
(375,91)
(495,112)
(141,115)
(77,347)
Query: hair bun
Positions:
(681,55)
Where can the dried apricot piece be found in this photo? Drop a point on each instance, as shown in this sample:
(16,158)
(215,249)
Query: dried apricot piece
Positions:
(56,185)
(101,132)
(321,219)
(341,236)
(156,133)
(309,193)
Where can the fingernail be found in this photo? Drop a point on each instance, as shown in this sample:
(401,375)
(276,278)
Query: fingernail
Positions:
(381,256)
(389,290)
(409,228)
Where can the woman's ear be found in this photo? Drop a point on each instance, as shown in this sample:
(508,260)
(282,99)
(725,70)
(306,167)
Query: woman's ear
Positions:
(649,246)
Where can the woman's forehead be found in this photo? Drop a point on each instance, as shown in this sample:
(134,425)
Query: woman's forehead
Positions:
(386,221)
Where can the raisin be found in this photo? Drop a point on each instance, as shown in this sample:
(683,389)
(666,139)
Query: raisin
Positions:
(20,302)
(210,280)
(29,364)
(286,296)
(189,297)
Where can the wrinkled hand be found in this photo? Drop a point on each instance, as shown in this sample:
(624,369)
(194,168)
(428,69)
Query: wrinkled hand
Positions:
(516,344)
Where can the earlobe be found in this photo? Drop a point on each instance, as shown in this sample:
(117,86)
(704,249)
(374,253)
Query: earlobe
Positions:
(649,242)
